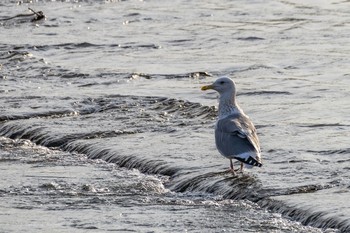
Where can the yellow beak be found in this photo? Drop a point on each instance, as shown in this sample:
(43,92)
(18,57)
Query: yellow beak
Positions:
(207,87)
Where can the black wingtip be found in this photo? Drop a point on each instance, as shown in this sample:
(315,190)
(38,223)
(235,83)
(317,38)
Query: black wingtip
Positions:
(250,160)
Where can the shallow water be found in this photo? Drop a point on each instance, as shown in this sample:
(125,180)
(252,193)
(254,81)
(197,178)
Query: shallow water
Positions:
(104,125)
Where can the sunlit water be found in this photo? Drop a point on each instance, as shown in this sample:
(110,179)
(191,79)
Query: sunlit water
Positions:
(104,126)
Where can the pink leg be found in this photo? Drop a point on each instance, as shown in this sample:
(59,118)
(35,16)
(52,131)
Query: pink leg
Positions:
(231,167)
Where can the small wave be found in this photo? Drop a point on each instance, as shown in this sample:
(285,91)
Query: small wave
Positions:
(266,93)
(73,75)
(135,76)
(307,216)
(51,114)
(130,162)
(220,183)
(14,54)
(289,20)
(323,125)
(194,75)
(75,45)
(250,38)
(180,41)
(81,45)
(330,152)
(139,46)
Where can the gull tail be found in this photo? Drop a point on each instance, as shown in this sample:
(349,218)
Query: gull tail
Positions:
(249,161)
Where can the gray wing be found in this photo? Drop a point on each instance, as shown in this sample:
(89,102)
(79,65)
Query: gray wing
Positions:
(236,135)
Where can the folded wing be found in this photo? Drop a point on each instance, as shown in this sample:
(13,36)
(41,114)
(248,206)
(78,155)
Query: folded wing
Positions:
(236,137)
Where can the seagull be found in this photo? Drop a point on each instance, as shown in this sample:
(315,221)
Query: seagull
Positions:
(235,134)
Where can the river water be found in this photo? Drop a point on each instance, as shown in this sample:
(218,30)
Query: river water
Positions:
(103,126)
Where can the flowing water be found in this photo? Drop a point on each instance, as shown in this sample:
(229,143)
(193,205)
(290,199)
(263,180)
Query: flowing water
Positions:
(103,126)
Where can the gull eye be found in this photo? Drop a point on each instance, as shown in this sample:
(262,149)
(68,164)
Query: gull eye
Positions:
(222,82)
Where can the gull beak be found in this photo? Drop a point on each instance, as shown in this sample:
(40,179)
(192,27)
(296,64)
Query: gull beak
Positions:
(207,87)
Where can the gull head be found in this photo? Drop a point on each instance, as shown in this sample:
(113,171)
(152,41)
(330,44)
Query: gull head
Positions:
(223,85)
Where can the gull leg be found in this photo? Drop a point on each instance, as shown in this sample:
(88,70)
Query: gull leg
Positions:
(231,167)
(242,167)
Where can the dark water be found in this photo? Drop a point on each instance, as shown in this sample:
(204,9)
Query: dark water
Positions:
(104,128)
